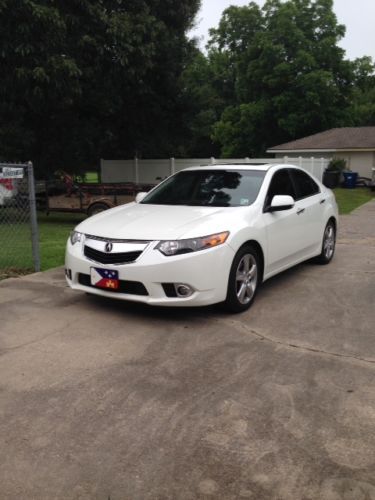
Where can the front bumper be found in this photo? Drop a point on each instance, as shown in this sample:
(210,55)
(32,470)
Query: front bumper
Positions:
(206,271)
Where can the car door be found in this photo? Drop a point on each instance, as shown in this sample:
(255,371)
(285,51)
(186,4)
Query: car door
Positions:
(283,228)
(310,207)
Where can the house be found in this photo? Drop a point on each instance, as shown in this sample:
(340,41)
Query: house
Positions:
(355,144)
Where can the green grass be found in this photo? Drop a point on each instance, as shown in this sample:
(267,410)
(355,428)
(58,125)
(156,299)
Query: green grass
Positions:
(16,252)
(54,231)
(15,248)
(89,177)
(349,199)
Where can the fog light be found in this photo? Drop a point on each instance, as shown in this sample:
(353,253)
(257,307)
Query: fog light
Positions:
(183,290)
(68,273)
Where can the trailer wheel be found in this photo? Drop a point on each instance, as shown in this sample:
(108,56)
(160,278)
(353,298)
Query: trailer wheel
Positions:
(96,208)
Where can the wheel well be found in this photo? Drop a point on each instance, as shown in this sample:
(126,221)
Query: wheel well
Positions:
(259,249)
(333,219)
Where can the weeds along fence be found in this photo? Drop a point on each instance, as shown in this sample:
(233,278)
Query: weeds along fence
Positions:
(142,171)
(19,238)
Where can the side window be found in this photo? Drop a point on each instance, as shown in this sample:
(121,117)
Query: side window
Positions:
(305,185)
(281,183)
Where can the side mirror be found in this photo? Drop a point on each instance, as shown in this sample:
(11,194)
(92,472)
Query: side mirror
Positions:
(281,202)
(140,197)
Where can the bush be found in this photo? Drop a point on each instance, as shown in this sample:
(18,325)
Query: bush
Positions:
(337,165)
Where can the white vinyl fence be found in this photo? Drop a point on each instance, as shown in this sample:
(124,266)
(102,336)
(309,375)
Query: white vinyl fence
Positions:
(153,171)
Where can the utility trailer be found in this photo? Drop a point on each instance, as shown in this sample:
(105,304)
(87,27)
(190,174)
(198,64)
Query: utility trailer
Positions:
(90,199)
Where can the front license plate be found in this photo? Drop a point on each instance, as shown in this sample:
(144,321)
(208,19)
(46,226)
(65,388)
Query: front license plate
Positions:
(104,278)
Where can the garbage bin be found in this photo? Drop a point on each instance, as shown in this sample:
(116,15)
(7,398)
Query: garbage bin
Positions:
(331,178)
(350,179)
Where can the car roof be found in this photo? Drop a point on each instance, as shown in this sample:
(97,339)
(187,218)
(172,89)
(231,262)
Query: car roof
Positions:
(240,166)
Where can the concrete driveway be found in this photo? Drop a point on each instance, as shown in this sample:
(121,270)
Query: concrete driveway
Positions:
(103,399)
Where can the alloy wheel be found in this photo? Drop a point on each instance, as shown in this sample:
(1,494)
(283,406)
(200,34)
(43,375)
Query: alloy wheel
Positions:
(329,242)
(246,279)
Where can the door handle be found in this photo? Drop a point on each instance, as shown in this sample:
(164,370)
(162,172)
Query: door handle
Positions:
(300,211)
(322,201)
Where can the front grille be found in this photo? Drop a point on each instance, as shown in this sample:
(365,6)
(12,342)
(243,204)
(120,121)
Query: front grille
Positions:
(130,287)
(111,258)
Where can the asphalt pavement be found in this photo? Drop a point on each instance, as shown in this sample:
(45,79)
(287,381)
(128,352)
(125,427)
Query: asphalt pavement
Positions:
(103,399)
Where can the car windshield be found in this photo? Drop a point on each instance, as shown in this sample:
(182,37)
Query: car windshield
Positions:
(213,188)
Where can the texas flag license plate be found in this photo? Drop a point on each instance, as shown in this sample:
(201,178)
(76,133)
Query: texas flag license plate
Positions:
(104,278)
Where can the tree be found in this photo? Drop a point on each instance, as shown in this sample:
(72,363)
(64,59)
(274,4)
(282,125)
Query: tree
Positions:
(201,106)
(85,79)
(362,109)
(288,78)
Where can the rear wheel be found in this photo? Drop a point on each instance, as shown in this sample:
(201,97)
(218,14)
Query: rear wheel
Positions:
(328,244)
(243,280)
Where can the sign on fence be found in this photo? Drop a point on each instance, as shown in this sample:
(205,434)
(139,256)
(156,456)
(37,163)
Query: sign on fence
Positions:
(11,173)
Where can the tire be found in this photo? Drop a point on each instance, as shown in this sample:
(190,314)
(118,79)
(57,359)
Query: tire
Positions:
(96,208)
(243,280)
(328,244)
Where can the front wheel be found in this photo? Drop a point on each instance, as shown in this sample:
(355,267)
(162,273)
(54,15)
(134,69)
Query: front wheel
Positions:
(328,244)
(243,280)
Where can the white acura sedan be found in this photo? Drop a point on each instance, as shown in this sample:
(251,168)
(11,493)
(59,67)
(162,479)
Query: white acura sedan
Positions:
(205,235)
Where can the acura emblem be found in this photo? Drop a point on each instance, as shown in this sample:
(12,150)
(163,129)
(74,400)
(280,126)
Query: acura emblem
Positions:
(108,247)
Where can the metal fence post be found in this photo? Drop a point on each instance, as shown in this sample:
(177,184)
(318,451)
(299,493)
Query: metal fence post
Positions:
(33,217)
(172,166)
(136,170)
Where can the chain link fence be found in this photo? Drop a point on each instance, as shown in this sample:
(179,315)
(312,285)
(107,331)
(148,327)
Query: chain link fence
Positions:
(19,250)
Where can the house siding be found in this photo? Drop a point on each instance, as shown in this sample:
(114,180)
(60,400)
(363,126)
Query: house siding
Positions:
(358,161)
(361,162)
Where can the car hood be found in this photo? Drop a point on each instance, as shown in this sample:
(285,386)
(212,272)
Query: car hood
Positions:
(159,222)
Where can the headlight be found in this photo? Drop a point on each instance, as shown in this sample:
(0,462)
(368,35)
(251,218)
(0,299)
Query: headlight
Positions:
(177,247)
(75,237)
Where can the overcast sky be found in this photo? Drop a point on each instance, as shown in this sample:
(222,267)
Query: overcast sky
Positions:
(357,15)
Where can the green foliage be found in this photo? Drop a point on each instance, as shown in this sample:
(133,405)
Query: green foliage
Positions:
(200,108)
(89,79)
(336,164)
(280,74)
(362,108)
(86,79)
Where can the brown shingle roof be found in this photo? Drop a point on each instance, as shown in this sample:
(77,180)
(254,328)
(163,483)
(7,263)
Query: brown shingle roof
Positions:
(335,138)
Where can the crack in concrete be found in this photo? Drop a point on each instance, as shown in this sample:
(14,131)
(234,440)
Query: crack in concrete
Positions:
(357,243)
(5,350)
(349,273)
(287,345)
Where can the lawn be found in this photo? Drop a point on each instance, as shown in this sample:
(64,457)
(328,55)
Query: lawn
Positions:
(54,230)
(349,199)
(15,236)
(16,253)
